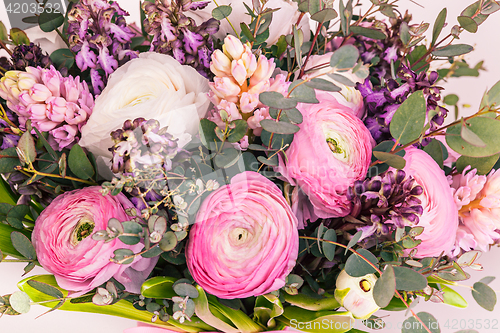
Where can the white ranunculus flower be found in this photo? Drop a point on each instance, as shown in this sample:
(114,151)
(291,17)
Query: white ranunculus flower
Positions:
(282,22)
(355,294)
(153,86)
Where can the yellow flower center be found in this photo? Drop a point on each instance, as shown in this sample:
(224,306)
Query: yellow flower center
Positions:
(365,285)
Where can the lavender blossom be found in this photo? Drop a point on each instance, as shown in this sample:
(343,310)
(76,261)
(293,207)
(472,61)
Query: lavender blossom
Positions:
(382,102)
(177,35)
(384,202)
(99,35)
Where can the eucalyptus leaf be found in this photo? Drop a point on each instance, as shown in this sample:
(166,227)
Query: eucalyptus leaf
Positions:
(409,280)
(324,15)
(452,50)
(342,79)
(487,129)
(221,12)
(411,325)
(50,21)
(63,58)
(227,158)
(438,25)
(279,127)
(482,164)
(384,288)
(435,150)
(367,32)
(46,288)
(239,130)
(276,100)
(345,57)
(471,137)
(23,245)
(185,289)
(322,84)
(468,23)
(356,266)
(19,37)
(409,119)
(328,248)
(484,296)
(393,160)
(354,240)
(20,302)
(302,93)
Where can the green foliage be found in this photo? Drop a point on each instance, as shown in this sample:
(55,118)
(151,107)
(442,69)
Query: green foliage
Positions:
(452,50)
(324,15)
(409,280)
(384,288)
(344,57)
(20,302)
(63,58)
(484,296)
(409,119)
(438,25)
(392,160)
(221,12)
(328,248)
(50,20)
(451,297)
(159,287)
(23,245)
(367,32)
(356,266)
(487,129)
(435,150)
(411,325)
(19,37)
(312,303)
(79,163)
(26,148)
(276,100)
(354,240)
(339,322)
(482,164)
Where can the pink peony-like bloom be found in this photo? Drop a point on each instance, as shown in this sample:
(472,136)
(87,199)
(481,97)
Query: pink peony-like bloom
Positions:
(245,240)
(478,201)
(65,248)
(330,152)
(52,102)
(440,215)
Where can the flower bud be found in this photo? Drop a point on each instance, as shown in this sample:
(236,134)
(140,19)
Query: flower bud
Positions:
(239,71)
(264,70)
(221,65)
(233,47)
(356,294)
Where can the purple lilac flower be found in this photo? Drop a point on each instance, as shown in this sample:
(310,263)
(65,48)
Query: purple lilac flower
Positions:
(382,102)
(384,202)
(99,35)
(177,35)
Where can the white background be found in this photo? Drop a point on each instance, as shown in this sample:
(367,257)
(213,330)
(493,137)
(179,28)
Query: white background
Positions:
(487,48)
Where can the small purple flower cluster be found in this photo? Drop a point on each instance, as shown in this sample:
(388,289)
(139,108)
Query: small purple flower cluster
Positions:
(27,56)
(177,35)
(99,35)
(382,102)
(384,201)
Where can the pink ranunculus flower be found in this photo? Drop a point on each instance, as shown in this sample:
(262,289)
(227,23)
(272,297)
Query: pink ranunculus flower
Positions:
(245,240)
(330,152)
(65,248)
(440,214)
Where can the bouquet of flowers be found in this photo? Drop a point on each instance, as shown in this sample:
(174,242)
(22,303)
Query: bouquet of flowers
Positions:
(251,166)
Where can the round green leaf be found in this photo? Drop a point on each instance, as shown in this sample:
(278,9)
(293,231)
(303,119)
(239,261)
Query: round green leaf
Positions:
(409,119)
(62,58)
(227,158)
(50,21)
(221,12)
(168,242)
(484,296)
(487,129)
(409,280)
(411,325)
(384,288)
(276,100)
(184,289)
(345,57)
(26,148)
(467,23)
(322,84)
(450,99)
(23,245)
(279,127)
(20,302)
(482,164)
(393,160)
(324,15)
(356,266)
(328,248)
(239,130)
